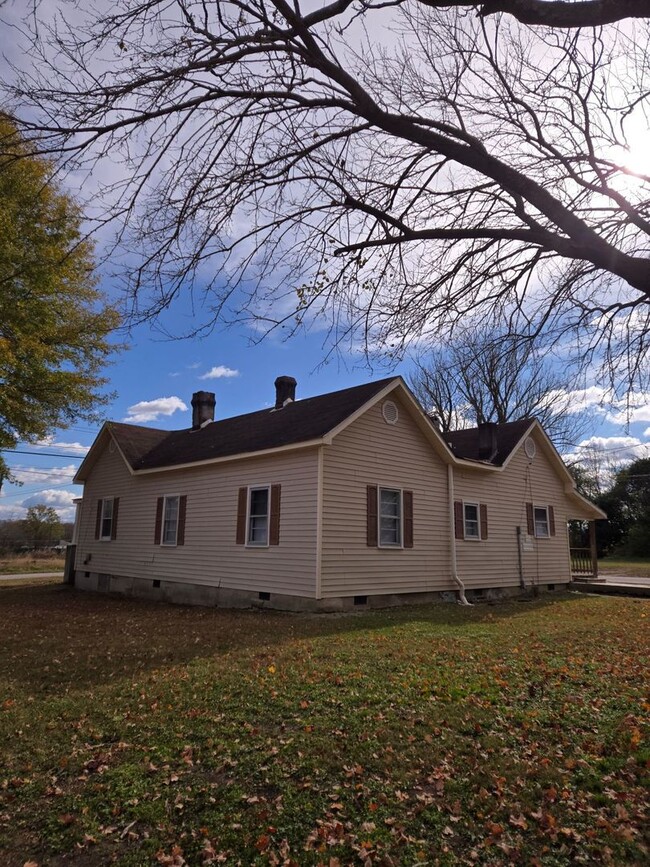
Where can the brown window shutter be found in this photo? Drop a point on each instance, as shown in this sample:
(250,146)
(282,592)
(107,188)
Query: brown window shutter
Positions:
(98,521)
(242,503)
(407,499)
(551,520)
(182,511)
(459,523)
(484,523)
(274,522)
(371,516)
(158,529)
(530,519)
(116,508)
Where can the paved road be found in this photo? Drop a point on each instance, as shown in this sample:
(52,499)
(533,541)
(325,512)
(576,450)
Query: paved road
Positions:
(31,575)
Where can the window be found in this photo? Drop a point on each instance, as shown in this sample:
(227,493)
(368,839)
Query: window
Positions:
(106,522)
(470,521)
(540,521)
(170,520)
(470,518)
(107,519)
(390,517)
(258,516)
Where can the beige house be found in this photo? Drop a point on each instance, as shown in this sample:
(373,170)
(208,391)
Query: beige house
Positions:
(348,498)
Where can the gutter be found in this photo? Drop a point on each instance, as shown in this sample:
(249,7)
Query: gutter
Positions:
(462,599)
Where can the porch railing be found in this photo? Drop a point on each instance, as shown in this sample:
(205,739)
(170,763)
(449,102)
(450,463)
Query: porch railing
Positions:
(582,562)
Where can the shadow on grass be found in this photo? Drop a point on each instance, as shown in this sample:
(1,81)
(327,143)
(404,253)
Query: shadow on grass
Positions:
(56,639)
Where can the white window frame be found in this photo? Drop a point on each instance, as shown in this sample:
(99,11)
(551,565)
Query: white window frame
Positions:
(249,542)
(400,544)
(547,534)
(166,498)
(102,537)
(470,537)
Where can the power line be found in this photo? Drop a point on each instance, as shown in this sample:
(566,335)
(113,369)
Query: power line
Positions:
(46,454)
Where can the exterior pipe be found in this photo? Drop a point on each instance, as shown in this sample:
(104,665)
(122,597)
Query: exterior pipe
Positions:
(462,599)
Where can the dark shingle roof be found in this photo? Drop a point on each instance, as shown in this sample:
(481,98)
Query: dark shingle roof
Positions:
(464,443)
(301,421)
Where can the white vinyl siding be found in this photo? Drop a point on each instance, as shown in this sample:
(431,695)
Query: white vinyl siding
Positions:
(396,457)
(496,561)
(209,555)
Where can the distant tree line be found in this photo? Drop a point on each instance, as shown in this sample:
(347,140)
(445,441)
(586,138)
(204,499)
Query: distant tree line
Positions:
(41,528)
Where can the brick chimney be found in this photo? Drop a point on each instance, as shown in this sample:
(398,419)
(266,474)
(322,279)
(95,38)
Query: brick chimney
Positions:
(203,403)
(487,441)
(285,390)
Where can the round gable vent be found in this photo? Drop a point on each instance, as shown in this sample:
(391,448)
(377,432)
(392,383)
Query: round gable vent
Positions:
(390,412)
(530,448)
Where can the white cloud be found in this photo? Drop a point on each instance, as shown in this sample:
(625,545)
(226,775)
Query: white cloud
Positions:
(220,372)
(579,399)
(151,410)
(646,432)
(36,476)
(49,443)
(635,409)
(617,450)
(57,499)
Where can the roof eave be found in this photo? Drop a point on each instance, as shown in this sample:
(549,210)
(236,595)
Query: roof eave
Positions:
(239,456)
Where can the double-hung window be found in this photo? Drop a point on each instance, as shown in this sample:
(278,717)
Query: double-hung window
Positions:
(541,522)
(258,517)
(170,520)
(470,521)
(107,519)
(106,522)
(471,526)
(390,518)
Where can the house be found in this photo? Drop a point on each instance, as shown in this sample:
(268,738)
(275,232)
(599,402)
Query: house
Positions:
(348,498)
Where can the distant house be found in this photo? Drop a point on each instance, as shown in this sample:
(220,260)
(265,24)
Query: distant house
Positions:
(348,498)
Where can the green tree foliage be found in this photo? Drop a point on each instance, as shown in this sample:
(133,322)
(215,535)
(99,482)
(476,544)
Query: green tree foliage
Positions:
(627,504)
(54,323)
(42,525)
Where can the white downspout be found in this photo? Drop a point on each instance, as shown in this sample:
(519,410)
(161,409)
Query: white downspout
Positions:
(462,599)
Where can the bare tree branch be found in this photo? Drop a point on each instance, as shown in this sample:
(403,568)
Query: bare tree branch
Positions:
(556,13)
(286,166)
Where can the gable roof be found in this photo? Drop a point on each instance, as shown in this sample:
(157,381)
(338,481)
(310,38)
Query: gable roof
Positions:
(464,443)
(302,421)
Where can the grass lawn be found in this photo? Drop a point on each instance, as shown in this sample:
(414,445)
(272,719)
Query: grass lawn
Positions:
(636,566)
(139,734)
(20,563)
